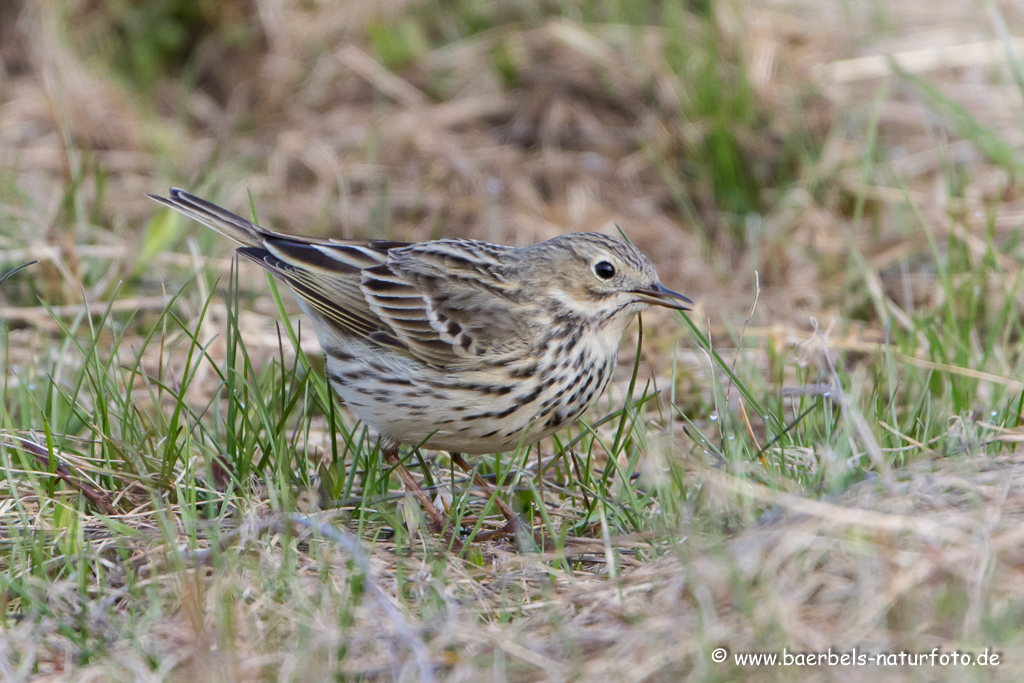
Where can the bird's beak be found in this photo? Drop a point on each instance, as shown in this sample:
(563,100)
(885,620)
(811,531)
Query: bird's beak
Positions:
(660,295)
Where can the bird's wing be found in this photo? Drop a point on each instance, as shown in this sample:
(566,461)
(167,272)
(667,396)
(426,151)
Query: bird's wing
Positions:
(439,302)
(325,274)
(327,278)
(449,300)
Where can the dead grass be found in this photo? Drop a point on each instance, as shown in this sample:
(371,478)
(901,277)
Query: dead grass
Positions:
(538,124)
(882,569)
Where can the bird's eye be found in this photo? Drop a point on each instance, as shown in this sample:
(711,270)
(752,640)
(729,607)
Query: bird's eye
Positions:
(604,270)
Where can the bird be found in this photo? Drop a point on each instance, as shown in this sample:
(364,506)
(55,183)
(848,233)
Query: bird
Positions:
(456,344)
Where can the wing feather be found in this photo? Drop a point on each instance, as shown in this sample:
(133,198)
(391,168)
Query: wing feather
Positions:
(441,302)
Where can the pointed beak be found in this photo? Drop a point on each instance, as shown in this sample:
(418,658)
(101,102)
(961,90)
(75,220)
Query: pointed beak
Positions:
(660,295)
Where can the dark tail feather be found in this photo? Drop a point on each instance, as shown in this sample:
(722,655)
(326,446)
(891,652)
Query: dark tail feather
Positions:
(223,221)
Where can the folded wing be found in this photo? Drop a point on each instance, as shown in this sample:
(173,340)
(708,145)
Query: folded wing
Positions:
(441,302)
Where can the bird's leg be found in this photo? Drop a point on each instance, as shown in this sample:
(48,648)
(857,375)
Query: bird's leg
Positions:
(513,524)
(389,449)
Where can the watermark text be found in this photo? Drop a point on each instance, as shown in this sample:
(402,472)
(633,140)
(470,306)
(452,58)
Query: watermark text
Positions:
(857,657)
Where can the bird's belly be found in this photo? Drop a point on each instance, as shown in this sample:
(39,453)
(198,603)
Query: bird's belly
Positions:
(473,412)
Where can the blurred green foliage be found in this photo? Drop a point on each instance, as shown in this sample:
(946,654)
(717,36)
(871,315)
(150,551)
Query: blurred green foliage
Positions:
(144,40)
(398,44)
(743,157)
(746,155)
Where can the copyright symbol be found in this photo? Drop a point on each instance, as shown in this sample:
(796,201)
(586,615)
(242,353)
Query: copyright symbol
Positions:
(719,654)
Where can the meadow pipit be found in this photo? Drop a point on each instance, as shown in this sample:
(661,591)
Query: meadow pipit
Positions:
(455,344)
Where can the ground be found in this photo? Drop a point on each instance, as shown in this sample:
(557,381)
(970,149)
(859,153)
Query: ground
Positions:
(822,457)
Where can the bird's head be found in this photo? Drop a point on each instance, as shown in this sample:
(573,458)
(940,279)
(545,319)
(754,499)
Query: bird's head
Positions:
(602,278)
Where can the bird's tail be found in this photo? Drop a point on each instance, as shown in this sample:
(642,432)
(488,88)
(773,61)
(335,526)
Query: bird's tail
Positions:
(223,221)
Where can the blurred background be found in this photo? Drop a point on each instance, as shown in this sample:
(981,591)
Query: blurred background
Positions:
(723,137)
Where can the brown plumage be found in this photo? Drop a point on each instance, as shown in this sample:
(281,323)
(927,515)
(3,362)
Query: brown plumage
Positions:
(457,344)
